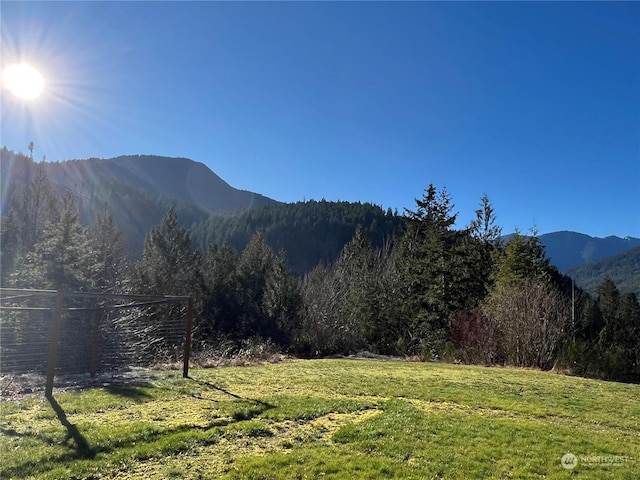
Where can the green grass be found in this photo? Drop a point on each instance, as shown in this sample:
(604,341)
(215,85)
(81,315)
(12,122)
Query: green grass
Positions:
(351,419)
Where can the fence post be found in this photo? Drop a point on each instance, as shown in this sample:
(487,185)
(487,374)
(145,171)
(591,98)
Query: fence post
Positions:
(187,339)
(54,339)
(95,343)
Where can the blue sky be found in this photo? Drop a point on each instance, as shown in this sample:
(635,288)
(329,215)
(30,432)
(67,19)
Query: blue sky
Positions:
(535,104)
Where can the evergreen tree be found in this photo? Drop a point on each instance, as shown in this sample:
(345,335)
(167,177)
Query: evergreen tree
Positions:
(345,303)
(168,266)
(221,309)
(368,289)
(630,315)
(111,269)
(63,256)
(428,248)
(270,297)
(609,303)
(11,246)
(620,336)
(482,244)
(484,227)
(32,204)
(523,258)
(588,318)
(355,271)
(629,321)
(35,205)
(282,301)
(254,267)
(386,329)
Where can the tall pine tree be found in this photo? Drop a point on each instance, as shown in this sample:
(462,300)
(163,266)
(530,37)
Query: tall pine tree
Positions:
(428,249)
(168,266)
(62,256)
(111,270)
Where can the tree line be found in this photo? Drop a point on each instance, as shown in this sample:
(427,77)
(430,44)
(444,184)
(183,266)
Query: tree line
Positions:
(430,289)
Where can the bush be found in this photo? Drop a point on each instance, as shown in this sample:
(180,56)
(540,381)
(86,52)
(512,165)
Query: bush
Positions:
(473,338)
(530,318)
(225,352)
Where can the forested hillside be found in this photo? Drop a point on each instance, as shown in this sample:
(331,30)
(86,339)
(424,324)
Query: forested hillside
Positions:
(95,188)
(410,285)
(623,269)
(308,232)
(139,189)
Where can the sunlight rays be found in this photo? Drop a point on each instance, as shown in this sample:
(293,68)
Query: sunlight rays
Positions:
(51,89)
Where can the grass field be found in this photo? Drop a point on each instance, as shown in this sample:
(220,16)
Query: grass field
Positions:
(351,419)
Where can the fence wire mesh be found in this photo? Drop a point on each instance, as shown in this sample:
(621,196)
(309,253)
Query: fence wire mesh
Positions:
(98,336)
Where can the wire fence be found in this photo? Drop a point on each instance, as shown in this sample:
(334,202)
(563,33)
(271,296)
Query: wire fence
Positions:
(58,334)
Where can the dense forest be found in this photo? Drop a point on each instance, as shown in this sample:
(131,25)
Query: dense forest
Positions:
(402,285)
(624,270)
(322,228)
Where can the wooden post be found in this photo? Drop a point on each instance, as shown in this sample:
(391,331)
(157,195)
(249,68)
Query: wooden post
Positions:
(54,339)
(187,339)
(95,343)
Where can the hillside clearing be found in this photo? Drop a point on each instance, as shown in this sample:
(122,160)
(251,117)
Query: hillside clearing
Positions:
(330,419)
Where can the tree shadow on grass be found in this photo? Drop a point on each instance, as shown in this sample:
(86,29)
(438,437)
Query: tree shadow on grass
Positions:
(259,406)
(83,449)
(12,432)
(245,409)
(227,392)
(132,392)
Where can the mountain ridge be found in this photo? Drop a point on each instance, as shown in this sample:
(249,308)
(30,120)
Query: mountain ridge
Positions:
(568,249)
(178,177)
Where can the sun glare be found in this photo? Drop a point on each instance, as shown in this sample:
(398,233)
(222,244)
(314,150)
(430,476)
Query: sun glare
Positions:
(23,81)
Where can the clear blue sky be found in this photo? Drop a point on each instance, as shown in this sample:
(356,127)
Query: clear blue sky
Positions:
(535,104)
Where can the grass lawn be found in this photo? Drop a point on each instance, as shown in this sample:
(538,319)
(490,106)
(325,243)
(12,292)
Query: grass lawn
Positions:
(348,419)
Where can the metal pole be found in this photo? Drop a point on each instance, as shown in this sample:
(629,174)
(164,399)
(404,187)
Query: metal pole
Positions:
(187,339)
(54,339)
(573,305)
(95,343)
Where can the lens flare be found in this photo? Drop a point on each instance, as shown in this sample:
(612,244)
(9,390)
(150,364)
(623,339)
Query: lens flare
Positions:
(23,81)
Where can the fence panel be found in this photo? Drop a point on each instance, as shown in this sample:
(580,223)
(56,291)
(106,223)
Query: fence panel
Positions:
(98,334)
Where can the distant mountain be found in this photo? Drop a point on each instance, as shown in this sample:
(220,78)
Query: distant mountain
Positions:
(588,260)
(180,178)
(624,270)
(571,249)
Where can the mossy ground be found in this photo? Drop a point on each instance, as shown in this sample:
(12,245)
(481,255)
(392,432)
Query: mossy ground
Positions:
(330,419)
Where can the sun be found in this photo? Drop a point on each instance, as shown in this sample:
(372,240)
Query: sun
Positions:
(23,80)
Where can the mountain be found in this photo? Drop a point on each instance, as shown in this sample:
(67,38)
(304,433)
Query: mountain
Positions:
(624,270)
(180,178)
(137,189)
(140,189)
(571,249)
